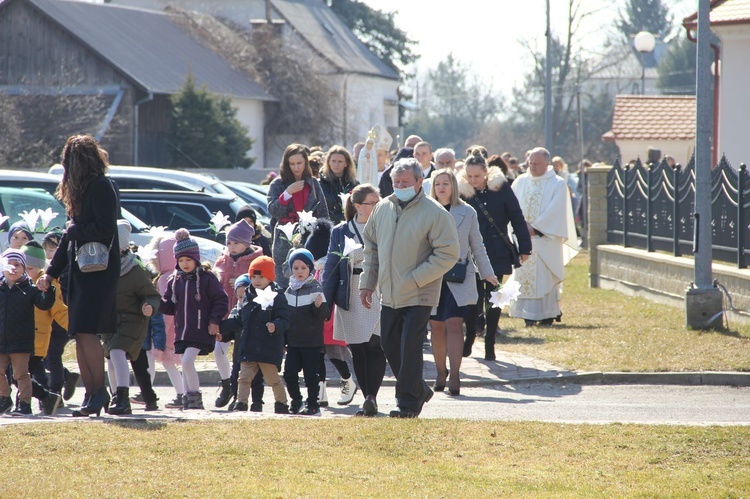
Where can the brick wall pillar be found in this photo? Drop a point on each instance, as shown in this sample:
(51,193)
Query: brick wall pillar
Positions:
(596,216)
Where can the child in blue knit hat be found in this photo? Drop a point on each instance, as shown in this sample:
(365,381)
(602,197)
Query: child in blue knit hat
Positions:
(305,335)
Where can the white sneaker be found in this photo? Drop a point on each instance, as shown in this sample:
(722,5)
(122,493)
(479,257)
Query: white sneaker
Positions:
(322,395)
(348,389)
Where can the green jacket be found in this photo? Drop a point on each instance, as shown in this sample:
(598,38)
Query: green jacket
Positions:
(407,251)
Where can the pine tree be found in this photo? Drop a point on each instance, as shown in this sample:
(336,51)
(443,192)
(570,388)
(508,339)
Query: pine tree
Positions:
(645,15)
(677,68)
(205,131)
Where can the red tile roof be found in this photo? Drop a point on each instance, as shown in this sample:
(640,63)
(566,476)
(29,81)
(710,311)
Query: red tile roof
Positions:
(653,117)
(724,12)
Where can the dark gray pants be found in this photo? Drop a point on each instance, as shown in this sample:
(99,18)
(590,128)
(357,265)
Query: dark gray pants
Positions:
(402,333)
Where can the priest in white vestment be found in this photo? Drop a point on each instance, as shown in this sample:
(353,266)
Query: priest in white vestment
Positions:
(545,200)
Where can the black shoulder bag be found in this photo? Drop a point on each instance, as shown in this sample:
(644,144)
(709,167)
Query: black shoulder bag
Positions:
(514,255)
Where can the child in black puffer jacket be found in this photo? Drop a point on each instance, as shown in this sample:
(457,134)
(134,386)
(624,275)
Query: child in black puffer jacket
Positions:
(18,297)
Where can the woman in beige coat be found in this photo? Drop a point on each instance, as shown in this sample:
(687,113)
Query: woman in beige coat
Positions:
(447,318)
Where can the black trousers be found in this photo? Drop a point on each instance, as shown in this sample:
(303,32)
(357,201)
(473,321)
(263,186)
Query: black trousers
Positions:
(369,365)
(53,361)
(143,377)
(402,332)
(308,359)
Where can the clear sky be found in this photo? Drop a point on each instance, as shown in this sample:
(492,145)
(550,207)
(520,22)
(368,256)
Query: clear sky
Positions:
(486,34)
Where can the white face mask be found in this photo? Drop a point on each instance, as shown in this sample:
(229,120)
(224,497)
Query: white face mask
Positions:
(405,194)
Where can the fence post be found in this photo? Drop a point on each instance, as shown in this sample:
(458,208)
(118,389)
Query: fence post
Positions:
(625,206)
(676,211)
(740,217)
(596,218)
(649,187)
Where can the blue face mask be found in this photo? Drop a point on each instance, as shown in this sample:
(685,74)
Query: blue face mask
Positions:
(405,194)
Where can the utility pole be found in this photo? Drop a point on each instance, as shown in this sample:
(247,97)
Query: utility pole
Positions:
(548,88)
(703,302)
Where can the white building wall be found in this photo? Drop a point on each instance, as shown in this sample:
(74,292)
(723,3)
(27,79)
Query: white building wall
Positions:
(734,104)
(370,101)
(681,150)
(251,114)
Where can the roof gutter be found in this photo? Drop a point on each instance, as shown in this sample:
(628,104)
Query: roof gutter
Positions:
(136,107)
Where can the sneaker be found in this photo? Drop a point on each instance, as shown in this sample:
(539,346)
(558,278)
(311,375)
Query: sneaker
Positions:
(240,407)
(151,406)
(6,404)
(348,389)
(310,411)
(295,407)
(370,407)
(69,387)
(177,403)
(22,409)
(138,399)
(256,407)
(280,408)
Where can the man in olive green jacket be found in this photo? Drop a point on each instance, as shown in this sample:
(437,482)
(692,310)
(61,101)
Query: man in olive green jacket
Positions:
(410,243)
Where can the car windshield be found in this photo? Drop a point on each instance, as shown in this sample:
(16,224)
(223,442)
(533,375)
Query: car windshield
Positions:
(18,203)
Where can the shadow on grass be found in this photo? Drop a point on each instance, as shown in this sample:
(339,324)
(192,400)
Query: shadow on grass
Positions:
(730,332)
(141,423)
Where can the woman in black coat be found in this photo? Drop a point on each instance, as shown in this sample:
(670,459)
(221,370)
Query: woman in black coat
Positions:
(92,205)
(488,192)
(338,176)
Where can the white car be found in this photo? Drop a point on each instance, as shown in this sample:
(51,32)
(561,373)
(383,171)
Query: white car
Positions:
(22,191)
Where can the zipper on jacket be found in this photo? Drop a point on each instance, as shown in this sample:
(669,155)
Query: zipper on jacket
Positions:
(199,319)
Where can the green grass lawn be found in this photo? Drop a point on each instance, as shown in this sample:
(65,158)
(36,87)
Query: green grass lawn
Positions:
(375,458)
(605,330)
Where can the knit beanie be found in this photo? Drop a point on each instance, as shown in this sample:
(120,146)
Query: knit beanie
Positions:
(35,256)
(23,227)
(317,242)
(14,254)
(53,237)
(264,266)
(186,246)
(301,254)
(246,211)
(243,280)
(123,233)
(241,232)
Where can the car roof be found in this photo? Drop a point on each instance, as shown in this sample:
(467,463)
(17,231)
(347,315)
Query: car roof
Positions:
(170,194)
(28,175)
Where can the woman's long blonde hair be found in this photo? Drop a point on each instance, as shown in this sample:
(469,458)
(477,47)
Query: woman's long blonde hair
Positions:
(455,200)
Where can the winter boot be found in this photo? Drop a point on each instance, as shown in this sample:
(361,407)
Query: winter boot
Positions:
(69,388)
(322,395)
(150,401)
(6,404)
(121,402)
(225,394)
(240,407)
(280,408)
(256,407)
(176,403)
(22,409)
(195,400)
(348,389)
(50,403)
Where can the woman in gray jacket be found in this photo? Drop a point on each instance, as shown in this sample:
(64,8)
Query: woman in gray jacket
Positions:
(447,318)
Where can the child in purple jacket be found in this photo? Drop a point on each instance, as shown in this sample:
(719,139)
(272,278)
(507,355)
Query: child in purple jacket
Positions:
(198,303)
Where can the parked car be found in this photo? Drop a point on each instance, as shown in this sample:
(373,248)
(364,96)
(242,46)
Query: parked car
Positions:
(176,209)
(254,198)
(143,177)
(24,191)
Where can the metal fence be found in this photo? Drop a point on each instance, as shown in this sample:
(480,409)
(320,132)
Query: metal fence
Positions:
(652,208)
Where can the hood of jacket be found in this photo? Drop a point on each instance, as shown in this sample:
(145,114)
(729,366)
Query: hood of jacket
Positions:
(495,181)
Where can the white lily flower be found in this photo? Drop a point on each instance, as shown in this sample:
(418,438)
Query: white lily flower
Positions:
(508,293)
(218,221)
(344,196)
(157,230)
(146,253)
(4,265)
(3,218)
(265,297)
(350,245)
(287,229)
(30,217)
(306,220)
(47,216)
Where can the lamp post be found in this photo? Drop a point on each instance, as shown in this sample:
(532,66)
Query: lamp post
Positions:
(645,43)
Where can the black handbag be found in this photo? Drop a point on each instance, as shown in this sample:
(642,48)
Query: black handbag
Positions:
(457,274)
(514,254)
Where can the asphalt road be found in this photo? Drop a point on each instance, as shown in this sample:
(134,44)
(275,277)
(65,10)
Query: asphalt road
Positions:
(592,404)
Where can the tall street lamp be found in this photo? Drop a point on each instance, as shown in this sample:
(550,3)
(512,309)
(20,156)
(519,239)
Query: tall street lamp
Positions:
(644,43)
